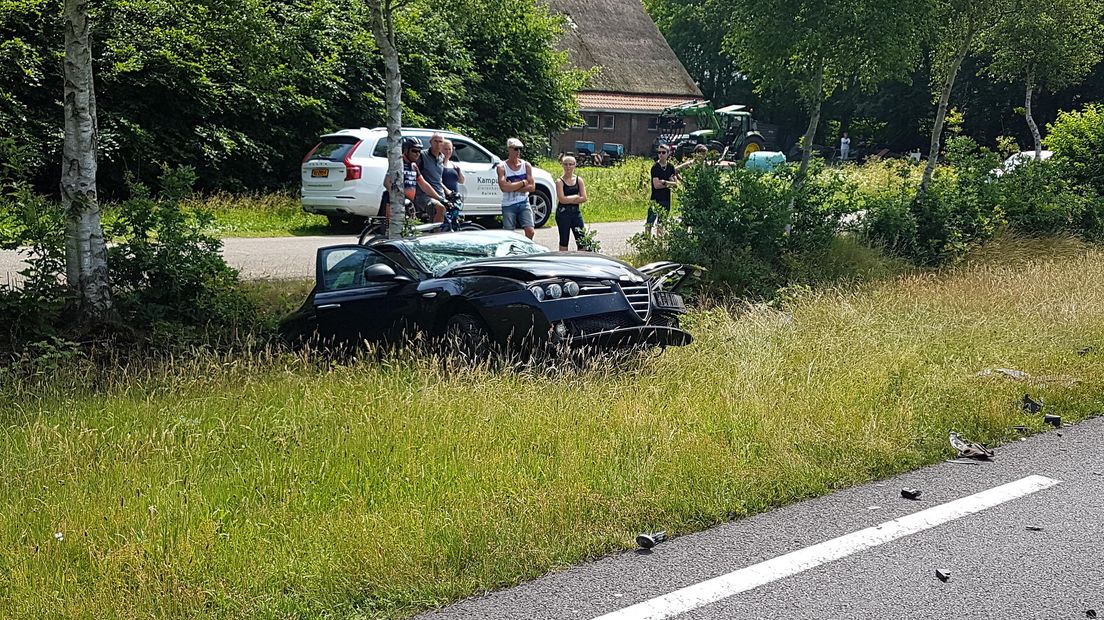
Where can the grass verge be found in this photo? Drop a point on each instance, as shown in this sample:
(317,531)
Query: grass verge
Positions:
(272,486)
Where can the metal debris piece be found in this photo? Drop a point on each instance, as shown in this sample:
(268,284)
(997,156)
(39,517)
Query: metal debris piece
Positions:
(943,575)
(969,449)
(1034,528)
(1020,428)
(1030,405)
(647,541)
(1085,350)
(1090,613)
(910,493)
(962,462)
(1053,420)
(1011,373)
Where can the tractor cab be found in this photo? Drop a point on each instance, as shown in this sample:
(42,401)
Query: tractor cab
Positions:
(730,131)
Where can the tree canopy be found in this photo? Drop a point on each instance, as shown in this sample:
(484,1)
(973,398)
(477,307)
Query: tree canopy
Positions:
(241,89)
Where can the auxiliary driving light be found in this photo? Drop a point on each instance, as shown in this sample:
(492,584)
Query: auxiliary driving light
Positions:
(537,292)
(555,291)
(570,288)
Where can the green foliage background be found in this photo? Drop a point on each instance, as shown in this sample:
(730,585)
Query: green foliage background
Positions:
(241,89)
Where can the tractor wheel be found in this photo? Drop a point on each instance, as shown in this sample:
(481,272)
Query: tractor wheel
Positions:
(753,145)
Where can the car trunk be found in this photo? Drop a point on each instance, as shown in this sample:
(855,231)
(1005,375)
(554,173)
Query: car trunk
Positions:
(324,169)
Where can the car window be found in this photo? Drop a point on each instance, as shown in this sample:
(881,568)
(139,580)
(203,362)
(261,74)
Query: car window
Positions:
(343,268)
(334,148)
(469,153)
(381,146)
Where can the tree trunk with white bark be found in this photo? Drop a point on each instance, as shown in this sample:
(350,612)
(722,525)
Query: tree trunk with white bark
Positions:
(1031,119)
(85,251)
(810,132)
(941,111)
(383,31)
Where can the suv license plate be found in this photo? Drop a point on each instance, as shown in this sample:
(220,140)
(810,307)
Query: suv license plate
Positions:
(669,300)
(320,172)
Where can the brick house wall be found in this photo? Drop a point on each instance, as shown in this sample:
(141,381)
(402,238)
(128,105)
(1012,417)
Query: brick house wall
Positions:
(636,131)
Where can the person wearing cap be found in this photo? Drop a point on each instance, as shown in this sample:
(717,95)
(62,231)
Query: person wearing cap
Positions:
(515,179)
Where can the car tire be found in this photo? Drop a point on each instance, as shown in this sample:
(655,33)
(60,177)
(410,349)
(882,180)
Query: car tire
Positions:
(468,339)
(541,203)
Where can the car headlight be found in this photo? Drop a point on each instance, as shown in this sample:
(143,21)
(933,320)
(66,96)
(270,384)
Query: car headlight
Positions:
(555,291)
(570,288)
(537,292)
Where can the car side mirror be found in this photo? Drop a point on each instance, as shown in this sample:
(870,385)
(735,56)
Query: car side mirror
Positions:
(381,272)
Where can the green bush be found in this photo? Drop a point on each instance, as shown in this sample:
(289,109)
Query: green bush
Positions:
(1036,200)
(1077,139)
(741,225)
(166,267)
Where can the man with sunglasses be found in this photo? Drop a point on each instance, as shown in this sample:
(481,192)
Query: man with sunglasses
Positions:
(430,194)
(515,179)
(664,176)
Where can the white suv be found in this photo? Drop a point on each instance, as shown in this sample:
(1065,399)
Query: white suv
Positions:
(342,177)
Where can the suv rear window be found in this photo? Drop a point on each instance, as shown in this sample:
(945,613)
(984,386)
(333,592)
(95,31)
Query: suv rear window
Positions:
(334,148)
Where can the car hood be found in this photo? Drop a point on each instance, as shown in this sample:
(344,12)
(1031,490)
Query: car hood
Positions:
(579,265)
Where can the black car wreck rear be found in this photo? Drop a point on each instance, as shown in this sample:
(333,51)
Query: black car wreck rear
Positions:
(489,287)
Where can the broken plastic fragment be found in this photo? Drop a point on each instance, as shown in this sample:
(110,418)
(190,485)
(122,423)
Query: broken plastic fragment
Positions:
(647,541)
(943,575)
(909,493)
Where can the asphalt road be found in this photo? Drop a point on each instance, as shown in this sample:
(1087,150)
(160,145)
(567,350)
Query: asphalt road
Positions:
(998,568)
(293,257)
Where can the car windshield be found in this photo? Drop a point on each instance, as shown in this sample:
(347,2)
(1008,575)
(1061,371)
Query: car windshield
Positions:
(439,253)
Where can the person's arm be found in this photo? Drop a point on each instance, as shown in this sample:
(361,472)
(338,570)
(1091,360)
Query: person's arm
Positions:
(503,184)
(560,198)
(530,184)
(459,174)
(657,183)
(582,197)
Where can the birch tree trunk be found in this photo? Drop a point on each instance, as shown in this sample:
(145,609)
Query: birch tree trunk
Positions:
(383,31)
(810,132)
(941,111)
(85,251)
(1030,119)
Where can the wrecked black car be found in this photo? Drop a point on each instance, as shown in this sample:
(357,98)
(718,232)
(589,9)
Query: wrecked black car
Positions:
(485,290)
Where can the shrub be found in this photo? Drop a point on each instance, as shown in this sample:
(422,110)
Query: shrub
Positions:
(1077,139)
(1036,201)
(166,267)
(741,225)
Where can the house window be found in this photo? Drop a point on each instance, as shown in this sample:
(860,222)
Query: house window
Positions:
(653,124)
(607,121)
(591,121)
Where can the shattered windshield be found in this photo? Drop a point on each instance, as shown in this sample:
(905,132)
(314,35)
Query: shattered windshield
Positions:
(438,254)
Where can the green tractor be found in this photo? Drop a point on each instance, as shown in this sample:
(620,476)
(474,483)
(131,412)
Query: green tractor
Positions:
(729,131)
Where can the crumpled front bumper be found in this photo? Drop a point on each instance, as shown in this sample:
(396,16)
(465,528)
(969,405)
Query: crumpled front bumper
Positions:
(642,335)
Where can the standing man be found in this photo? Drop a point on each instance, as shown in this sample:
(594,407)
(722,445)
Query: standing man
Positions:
(663,179)
(845,146)
(515,179)
(429,198)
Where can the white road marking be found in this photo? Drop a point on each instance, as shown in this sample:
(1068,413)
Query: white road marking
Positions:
(718,588)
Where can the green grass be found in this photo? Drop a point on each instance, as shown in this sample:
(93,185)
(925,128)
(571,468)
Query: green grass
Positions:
(260,215)
(615,194)
(272,486)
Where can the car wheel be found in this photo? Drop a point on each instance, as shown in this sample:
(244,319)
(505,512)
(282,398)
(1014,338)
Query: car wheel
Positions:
(467,338)
(541,203)
(335,221)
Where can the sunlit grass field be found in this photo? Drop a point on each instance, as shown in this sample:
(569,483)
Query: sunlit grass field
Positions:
(273,486)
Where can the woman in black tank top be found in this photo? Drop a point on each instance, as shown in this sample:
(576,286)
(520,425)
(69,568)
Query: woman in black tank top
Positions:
(570,193)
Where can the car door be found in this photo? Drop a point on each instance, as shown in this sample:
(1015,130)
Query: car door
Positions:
(480,177)
(360,294)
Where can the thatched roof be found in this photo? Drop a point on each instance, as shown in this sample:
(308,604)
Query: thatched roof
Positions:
(620,37)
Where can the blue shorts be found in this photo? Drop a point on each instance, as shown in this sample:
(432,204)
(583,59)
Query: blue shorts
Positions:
(517,215)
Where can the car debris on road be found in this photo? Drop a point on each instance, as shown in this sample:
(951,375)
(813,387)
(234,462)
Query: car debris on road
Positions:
(647,541)
(910,493)
(1030,405)
(968,449)
(1053,420)
(943,574)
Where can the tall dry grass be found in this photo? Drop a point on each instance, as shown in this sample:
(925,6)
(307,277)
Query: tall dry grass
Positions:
(281,486)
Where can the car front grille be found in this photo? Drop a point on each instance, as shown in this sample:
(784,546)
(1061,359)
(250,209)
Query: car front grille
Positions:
(599,323)
(639,297)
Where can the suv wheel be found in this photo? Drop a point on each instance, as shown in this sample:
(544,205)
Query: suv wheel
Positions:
(541,203)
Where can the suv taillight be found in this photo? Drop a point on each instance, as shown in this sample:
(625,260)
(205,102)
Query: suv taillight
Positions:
(352,173)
